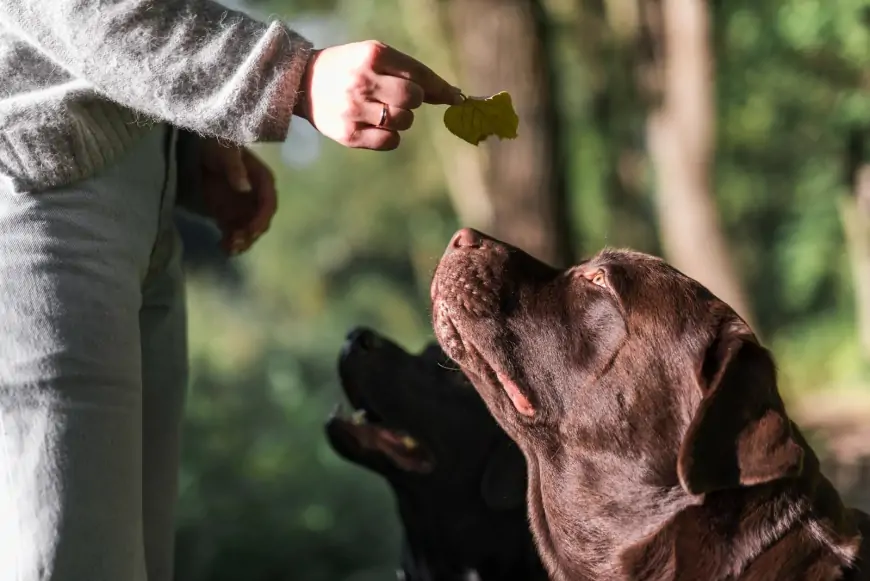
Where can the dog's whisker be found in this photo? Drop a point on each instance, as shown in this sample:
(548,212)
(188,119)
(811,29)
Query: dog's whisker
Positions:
(449,367)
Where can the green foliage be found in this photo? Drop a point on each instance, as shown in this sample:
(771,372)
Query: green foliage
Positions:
(262,495)
(358,234)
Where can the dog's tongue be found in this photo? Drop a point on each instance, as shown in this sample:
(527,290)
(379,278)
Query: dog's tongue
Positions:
(521,402)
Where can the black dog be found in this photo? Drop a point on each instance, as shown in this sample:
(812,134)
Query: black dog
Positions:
(459,481)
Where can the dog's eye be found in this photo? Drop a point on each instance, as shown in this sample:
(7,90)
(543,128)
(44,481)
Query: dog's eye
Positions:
(599,279)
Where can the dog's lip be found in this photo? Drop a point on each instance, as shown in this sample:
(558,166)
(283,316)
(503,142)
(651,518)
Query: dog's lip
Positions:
(374,433)
(515,393)
(398,445)
(519,396)
(470,353)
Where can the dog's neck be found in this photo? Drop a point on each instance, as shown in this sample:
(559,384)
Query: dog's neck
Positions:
(661,534)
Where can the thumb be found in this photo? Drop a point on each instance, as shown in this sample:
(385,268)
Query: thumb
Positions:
(436,90)
(447,95)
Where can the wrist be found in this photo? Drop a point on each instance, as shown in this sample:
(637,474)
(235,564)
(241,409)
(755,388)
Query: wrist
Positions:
(302,104)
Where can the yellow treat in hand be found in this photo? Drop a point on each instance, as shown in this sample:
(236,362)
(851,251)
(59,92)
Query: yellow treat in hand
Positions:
(477,118)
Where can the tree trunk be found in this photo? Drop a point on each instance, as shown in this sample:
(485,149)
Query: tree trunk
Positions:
(681,138)
(505,45)
(855,215)
(606,38)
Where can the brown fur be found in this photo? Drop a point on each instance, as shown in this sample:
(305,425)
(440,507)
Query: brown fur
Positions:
(657,444)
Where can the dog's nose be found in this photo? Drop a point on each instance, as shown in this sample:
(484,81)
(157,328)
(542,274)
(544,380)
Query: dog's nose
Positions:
(362,339)
(465,238)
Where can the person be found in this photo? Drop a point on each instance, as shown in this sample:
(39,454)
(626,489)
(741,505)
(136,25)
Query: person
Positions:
(93,98)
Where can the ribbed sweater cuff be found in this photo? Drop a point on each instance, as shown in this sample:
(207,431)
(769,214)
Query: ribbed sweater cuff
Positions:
(93,135)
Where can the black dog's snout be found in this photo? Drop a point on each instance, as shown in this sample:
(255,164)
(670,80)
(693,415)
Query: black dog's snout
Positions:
(362,339)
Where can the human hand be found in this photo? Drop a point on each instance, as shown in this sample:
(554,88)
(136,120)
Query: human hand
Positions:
(363,94)
(239,192)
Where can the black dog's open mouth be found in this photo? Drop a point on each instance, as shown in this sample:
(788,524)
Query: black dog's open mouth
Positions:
(369,434)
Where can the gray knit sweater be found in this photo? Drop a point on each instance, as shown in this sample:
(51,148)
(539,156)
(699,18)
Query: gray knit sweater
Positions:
(82,80)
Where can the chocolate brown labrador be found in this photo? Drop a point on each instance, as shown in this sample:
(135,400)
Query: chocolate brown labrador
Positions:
(458,480)
(657,444)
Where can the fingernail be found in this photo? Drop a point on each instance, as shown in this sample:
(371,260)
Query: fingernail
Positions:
(244,186)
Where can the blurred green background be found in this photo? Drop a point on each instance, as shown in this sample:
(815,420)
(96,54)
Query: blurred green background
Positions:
(727,136)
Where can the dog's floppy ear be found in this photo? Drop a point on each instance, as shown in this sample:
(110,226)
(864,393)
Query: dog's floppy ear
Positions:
(504,479)
(740,435)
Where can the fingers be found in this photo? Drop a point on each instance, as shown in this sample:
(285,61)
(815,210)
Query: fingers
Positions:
(227,160)
(244,218)
(389,61)
(386,116)
(264,185)
(365,130)
(397,92)
(375,138)
(235,170)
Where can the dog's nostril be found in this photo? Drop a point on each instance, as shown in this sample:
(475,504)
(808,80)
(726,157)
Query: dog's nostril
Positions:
(466,238)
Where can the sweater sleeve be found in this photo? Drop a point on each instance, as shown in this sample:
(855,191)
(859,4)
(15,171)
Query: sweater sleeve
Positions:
(192,63)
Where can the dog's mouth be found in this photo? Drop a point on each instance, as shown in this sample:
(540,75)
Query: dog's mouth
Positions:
(475,363)
(365,433)
(488,372)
